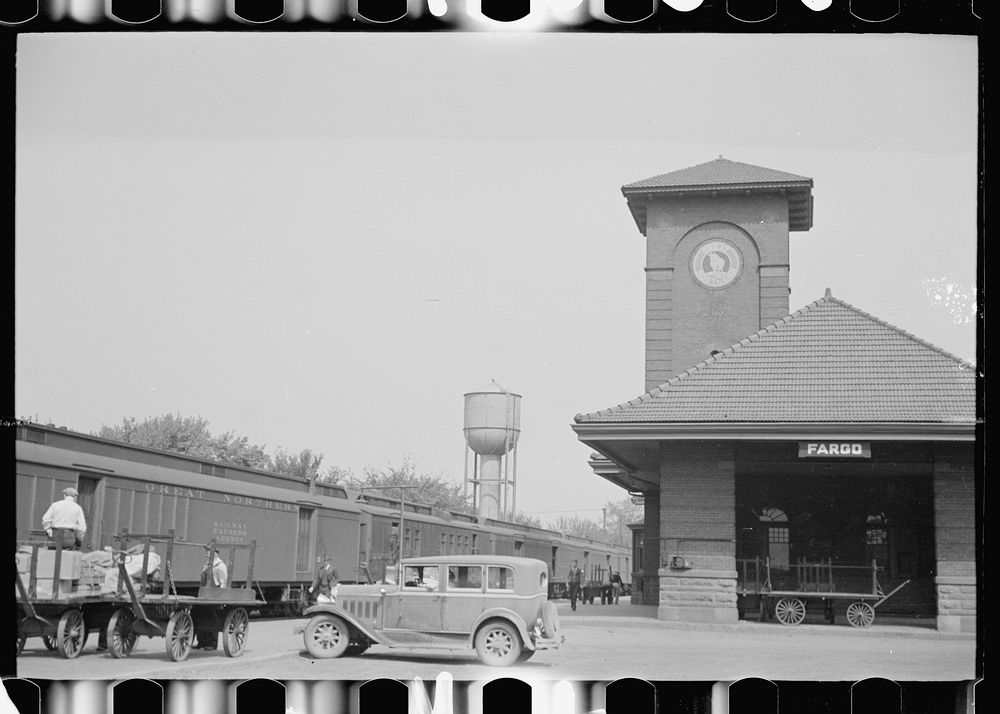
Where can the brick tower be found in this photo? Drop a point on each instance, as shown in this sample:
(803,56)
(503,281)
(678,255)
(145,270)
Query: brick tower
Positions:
(716,256)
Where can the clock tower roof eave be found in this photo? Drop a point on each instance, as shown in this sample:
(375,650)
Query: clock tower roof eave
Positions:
(798,194)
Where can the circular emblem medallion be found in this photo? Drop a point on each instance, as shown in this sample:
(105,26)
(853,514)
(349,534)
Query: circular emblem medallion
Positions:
(716,263)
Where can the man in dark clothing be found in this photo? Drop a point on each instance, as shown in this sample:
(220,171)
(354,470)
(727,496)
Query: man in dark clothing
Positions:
(575,581)
(616,586)
(324,585)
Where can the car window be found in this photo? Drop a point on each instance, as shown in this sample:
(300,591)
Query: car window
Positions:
(420,577)
(465,577)
(500,578)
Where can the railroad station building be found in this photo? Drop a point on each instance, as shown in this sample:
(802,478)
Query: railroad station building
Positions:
(824,436)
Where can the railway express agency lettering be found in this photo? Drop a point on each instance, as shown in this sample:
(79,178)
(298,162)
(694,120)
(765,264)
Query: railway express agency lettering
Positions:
(841,449)
(229,531)
(233,498)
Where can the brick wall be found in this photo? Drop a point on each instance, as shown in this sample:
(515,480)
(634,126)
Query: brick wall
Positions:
(697,511)
(686,321)
(651,554)
(955,538)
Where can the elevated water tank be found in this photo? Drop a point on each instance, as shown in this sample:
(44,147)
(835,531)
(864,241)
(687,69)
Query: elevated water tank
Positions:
(492,427)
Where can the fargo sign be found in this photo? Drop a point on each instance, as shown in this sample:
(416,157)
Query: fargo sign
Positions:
(835,449)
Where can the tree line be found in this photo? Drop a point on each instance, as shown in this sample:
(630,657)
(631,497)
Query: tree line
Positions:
(191,435)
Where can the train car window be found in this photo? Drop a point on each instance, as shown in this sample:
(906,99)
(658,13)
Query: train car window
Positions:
(304,538)
(465,577)
(500,578)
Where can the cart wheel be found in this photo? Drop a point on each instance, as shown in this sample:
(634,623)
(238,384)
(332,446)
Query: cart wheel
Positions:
(70,634)
(790,611)
(234,631)
(121,638)
(180,632)
(860,614)
(50,642)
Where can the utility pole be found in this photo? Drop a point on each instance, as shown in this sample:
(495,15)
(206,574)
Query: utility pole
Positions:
(604,524)
(402,518)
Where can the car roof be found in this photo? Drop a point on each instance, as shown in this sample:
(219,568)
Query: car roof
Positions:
(460,559)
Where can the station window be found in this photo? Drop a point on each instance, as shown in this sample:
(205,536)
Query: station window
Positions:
(465,577)
(500,578)
(451,543)
(475,543)
(444,543)
(775,521)
(875,531)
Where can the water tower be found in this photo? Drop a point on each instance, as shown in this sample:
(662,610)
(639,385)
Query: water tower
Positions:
(492,425)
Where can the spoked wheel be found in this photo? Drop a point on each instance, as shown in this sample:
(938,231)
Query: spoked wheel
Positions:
(498,644)
(180,632)
(50,642)
(121,638)
(235,628)
(326,636)
(70,634)
(790,611)
(860,614)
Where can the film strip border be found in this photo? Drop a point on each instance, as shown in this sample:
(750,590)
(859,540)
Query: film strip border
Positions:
(500,696)
(542,15)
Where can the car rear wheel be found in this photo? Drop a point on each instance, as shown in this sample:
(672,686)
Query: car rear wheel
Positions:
(326,636)
(498,644)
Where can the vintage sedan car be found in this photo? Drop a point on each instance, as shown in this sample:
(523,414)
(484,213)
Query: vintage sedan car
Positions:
(497,605)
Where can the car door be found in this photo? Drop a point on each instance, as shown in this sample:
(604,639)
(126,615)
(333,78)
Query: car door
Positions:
(416,606)
(463,597)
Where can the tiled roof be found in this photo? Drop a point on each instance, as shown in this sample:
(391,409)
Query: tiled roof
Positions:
(718,172)
(828,362)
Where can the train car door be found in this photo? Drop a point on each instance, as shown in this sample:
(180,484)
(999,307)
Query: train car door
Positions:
(87,498)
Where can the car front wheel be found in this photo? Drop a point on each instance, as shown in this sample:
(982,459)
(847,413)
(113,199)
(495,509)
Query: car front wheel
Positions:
(498,644)
(326,636)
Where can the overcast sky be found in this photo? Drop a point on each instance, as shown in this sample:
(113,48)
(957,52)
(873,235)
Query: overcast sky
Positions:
(323,240)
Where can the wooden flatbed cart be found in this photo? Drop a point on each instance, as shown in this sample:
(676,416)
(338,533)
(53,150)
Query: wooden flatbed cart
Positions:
(133,610)
(815,581)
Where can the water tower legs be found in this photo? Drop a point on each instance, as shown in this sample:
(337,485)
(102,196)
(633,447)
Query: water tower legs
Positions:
(489,485)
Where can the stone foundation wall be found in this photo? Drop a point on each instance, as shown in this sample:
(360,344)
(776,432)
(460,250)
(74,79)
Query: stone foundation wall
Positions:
(698,596)
(697,574)
(955,538)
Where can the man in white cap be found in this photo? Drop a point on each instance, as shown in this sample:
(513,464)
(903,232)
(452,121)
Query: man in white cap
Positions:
(66,514)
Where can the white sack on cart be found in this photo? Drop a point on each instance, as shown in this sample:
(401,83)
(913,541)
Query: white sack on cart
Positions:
(133,566)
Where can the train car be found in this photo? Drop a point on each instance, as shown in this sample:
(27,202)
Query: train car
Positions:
(293,521)
(291,527)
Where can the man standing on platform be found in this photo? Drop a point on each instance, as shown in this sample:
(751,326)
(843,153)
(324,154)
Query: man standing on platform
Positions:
(575,581)
(66,514)
(324,585)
